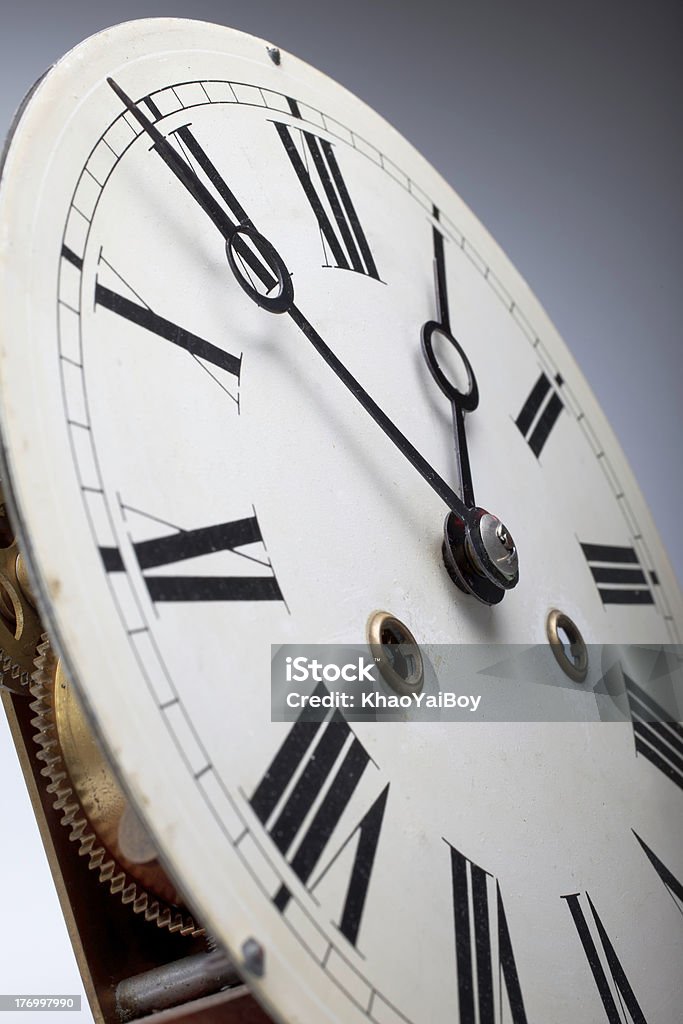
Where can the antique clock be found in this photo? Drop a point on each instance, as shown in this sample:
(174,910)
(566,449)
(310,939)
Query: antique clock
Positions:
(266,380)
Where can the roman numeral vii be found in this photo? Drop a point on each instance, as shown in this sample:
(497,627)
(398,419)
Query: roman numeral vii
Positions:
(315,772)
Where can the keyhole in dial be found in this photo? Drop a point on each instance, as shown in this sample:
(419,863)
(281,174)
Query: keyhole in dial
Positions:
(567,645)
(396,653)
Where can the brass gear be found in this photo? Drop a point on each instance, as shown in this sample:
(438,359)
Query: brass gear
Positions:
(93,807)
(20,628)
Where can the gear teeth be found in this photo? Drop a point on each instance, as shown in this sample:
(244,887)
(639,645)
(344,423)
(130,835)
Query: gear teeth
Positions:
(12,677)
(110,873)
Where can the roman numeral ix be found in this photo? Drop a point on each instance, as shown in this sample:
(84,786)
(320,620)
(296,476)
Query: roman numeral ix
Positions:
(316,770)
(320,177)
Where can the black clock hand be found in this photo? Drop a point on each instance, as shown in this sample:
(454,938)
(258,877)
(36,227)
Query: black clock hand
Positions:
(196,188)
(461,402)
(438,484)
(488,546)
(236,235)
(476,550)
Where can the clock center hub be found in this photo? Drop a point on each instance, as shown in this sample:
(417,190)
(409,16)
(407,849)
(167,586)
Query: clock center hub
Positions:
(499,545)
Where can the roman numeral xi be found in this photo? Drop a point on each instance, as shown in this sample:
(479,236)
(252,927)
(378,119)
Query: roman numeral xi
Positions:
(316,167)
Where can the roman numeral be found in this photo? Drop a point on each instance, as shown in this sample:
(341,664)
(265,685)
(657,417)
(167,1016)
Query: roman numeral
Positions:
(182,545)
(618,574)
(656,737)
(192,149)
(149,321)
(190,146)
(673,886)
(539,413)
(476,916)
(316,771)
(627,998)
(341,232)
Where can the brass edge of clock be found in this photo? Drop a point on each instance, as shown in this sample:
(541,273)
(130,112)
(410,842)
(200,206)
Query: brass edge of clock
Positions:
(88,909)
(90,802)
(92,917)
(72,759)
(235,1005)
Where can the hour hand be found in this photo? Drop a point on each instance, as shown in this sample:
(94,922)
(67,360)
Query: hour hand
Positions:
(478,550)
(436,334)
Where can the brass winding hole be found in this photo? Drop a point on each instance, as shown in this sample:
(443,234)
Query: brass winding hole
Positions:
(567,644)
(396,653)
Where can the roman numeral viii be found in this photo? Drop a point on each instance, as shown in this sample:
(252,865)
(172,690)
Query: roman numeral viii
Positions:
(618,574)
(539,413)
(315,772)
(316,167)
(186,544)
(621,984)
(478,912)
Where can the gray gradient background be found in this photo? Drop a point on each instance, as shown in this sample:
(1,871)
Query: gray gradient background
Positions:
(559,124)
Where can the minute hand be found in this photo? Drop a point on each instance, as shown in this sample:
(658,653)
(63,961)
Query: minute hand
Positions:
(199,192)
(436,482)
(235,235)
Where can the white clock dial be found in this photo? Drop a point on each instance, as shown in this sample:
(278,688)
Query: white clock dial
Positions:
(195,482)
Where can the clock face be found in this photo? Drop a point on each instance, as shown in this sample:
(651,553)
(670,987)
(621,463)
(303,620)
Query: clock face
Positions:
(195,483)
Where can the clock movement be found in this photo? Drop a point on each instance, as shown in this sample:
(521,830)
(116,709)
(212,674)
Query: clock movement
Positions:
(266,380)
